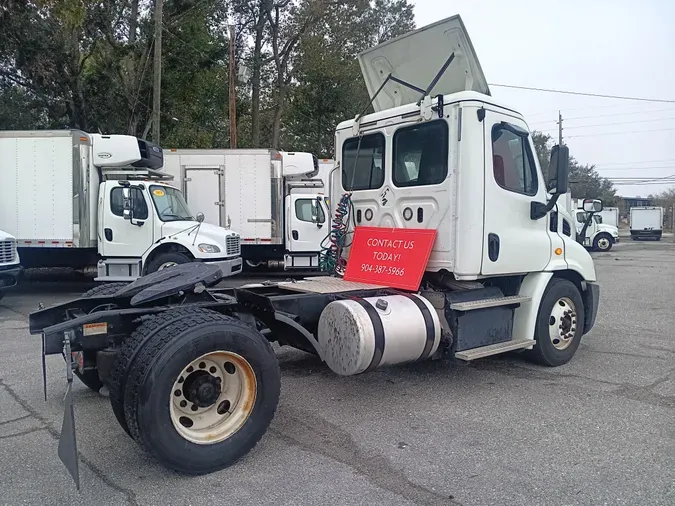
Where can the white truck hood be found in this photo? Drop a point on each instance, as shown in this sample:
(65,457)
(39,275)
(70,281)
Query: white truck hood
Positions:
(416,58)
(5,235)
(206,232)
(610,229)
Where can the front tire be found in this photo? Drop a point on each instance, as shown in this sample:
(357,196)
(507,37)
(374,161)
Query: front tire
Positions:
(166,260)
(211,382)
(603,242)
(560,324)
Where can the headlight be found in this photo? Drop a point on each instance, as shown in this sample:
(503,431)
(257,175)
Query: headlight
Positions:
(209,248)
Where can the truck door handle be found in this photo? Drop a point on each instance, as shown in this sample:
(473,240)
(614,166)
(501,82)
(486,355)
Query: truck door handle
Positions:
(294,233)
(108,234)
(493,247)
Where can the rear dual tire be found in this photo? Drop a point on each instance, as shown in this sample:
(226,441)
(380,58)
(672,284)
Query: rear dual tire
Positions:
(195,388)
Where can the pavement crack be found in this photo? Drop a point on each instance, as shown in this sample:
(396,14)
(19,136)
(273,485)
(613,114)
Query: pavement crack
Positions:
(129,494)
(7,422)
(23,432)
(587,349)
(646,393)
(318,436)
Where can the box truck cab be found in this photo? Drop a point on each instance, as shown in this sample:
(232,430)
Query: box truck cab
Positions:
(101,203)
(599,236)
(272,198)
(10,263)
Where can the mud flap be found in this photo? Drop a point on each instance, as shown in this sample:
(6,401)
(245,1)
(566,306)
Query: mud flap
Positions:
(67,441)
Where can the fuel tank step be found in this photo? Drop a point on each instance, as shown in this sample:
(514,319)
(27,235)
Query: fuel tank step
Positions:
(491,302)
(494,349)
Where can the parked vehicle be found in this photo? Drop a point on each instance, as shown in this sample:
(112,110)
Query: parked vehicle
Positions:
(460,251)
(598,235)
(272,198)
(609,216)
(101,203)
(646,222)
(10,263)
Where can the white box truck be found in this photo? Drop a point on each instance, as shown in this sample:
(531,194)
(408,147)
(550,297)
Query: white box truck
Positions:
(466,255)
(10,262)
(609,216)
(646,223)
(270,197)
(101,203)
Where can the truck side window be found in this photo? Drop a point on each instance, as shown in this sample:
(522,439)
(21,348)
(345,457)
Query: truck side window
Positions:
(117,203)
(421,154)
(303,211)
(512,161)
(581,217)
(363,162)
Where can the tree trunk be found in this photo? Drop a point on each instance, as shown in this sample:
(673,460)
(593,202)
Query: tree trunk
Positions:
(255,78)
(133,21)
(278,111)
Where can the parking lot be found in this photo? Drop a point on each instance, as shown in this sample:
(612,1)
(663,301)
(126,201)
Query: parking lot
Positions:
(498,431)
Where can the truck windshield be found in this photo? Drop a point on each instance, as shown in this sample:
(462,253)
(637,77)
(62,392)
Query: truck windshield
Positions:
(170,204)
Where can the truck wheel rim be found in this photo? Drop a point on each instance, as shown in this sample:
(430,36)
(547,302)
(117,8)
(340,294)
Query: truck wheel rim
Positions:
(213,397)
(603,243)
(166,265)
(562,323)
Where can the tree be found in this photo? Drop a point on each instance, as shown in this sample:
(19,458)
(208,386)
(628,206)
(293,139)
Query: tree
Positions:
(585,182)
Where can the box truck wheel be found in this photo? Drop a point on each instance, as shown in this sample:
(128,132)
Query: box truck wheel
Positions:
(201,391)
(603,242)
(164,260)
(90,377)
(560,324)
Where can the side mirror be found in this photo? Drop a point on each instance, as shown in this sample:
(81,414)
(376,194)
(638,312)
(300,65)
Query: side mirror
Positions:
(127,204)
(559,170)
(315,210)
(592,206)
(200,217)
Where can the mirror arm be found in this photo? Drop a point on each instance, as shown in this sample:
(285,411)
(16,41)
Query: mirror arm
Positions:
(539,210)
(581,237)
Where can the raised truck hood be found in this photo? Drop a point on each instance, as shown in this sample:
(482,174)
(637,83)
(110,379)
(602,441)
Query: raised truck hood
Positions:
(416,58)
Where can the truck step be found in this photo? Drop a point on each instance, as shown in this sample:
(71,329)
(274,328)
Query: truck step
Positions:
(494,349)
(485,303)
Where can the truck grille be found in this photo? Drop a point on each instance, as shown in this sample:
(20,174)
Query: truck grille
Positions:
(8,251)
(232,244)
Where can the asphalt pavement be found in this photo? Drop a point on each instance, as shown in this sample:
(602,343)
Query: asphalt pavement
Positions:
(501,431)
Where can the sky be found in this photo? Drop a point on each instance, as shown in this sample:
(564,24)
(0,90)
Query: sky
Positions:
(611,47)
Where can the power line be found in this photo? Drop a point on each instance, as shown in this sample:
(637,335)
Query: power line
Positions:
(617,123)
(621,133)
(579,93)
(632,163)
(638,169)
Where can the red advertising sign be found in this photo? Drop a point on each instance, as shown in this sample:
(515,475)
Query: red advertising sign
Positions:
(394,257)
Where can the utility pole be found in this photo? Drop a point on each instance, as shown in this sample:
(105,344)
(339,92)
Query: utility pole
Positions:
(233,90)
(157,83)
(560,120)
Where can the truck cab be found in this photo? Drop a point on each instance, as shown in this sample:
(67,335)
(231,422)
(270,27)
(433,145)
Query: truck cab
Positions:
(145,224)
(599,236)
(10,263)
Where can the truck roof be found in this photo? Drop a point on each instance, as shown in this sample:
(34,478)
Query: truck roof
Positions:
(462,96)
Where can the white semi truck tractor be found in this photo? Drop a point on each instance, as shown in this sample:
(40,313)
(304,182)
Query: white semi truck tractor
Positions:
(452,246)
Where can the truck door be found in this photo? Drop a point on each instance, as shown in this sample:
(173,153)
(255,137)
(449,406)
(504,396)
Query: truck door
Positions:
(306,223)
(120,237)
(512,242)
(202,193)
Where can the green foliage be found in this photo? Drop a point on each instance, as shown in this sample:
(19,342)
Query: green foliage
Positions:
(585,182)
(88,64)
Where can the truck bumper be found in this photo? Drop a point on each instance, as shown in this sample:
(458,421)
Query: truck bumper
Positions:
(229,267)
(591,301)
(9,275)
